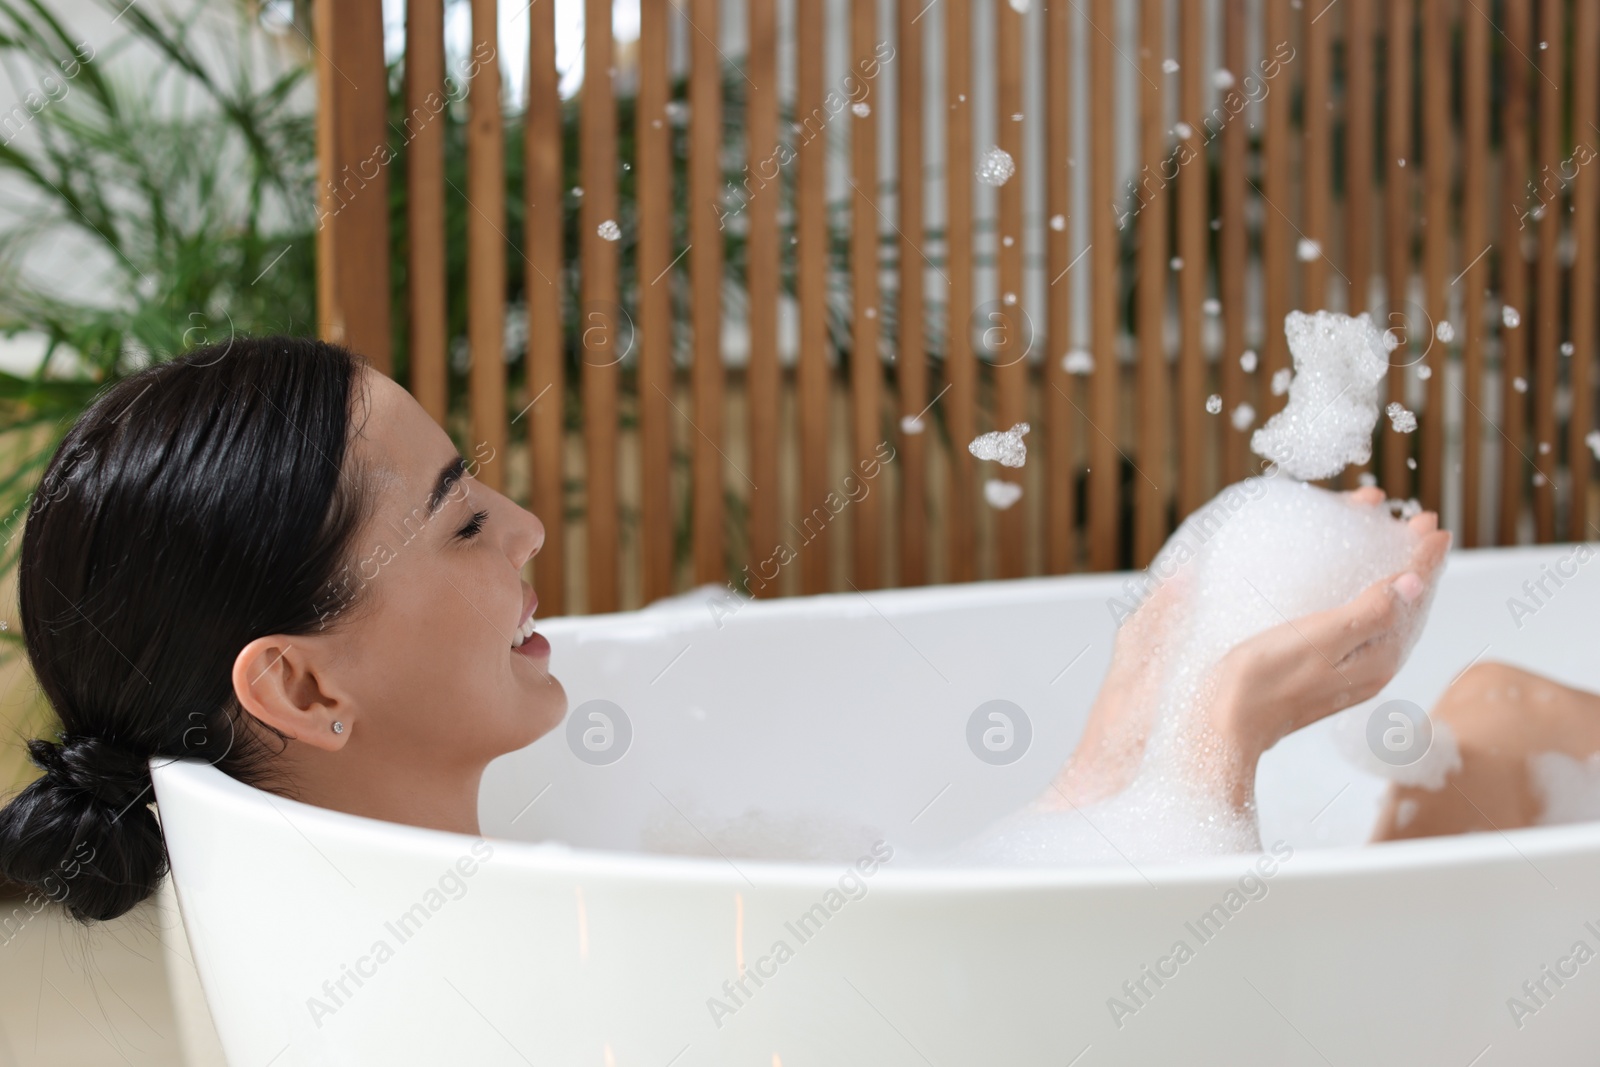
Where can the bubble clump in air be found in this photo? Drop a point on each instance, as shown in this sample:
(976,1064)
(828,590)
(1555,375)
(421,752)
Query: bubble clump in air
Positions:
(1169,65)
(1402,420)
(1244,416)
(1520,384)
(861,109)
(1308,249)
(912,424)
(1424,371)
(1567,348)
(1213,404)
(1222,78)
(1510,316)
(1001,494)
(996,167)
(609,230)
(1211,306)
(1183,131)
(1248,361)
(1004,447)
(1281,379)
(1444,331)
(1058,223)
(1333,397)
(1077,361)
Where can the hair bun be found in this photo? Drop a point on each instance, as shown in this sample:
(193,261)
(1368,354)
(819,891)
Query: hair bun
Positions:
(79,835)
(103,769)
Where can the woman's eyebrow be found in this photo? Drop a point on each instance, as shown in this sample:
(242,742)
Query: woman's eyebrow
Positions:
(449,475)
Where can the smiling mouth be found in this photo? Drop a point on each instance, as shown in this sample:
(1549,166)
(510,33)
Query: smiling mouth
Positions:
(523,633)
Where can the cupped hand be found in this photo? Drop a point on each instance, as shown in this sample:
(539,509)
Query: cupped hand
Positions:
(1300,671)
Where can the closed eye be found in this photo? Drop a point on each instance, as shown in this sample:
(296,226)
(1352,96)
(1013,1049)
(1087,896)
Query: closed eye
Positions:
(474,526)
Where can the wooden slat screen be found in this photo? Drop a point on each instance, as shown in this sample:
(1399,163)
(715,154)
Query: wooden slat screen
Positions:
(810,271)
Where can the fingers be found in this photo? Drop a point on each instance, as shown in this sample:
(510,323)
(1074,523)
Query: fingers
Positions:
(1368,494)
(1339,631)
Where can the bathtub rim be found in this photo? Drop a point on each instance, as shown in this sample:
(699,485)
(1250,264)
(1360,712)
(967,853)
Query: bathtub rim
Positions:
(202,782)
(671,614)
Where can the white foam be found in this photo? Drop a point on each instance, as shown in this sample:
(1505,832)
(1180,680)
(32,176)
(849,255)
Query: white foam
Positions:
(1333,397)
(1568,788)
(1005,447)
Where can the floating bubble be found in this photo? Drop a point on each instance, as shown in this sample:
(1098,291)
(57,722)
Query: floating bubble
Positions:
(1520,384)
(1009,299)
(1183,130)
(1213,403)
(1567,348)
(1004,447)
(1248,361)
(1077,361)
(1222,78)
(1058,223)
(1211,306)
(1424,371)
(1510,316)
(861,109)
(1539,480)
(1444,331)
(1008,240)
(1281,380)
(996,167)
(1402,420)
(912,424)
(1366,479)
(1308,249)
(1244,416)
(1544,448)
(609,230)
(1001,494)
(1176,263)
(1411,462)
(1169,65)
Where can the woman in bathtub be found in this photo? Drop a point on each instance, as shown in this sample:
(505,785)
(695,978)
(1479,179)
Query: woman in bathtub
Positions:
(270,557)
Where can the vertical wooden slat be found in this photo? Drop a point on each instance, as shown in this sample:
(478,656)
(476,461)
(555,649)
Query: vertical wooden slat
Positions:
(599,328)
(1233,245)
(911,358)
(546,361)
(353,211)
(425,258)
(1316,160)
(1585,217)
(705,279)
(1060,548)
(1358,134)
(866,366)
(1438,177)
(761,254)
(812,268)
(961,370)
(1193,243)
(1398,170)
(652,136)
(1474,245)
(486,247)
(1518,74)
(1547,308)
(1011,357)
(1277,235)
(1104,462)
(1150,511)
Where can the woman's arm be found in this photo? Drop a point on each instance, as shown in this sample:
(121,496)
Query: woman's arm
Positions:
(1265,688)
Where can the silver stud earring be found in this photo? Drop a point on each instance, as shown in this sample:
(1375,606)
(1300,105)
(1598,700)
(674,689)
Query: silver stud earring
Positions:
(338,727)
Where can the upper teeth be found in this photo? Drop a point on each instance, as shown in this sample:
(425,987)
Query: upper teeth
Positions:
(522,632)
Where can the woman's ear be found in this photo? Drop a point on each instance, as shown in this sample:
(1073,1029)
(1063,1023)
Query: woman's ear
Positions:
(282,681)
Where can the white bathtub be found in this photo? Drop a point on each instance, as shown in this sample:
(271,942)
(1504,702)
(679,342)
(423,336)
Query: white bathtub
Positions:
(1400,954)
